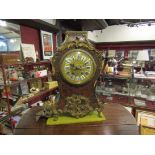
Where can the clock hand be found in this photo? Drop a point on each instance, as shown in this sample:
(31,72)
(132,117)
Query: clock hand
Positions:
(78,67)
(73,66)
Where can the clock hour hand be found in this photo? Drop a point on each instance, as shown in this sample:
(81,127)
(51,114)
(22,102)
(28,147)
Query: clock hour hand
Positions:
(78,67)
(72,66)
(75,67)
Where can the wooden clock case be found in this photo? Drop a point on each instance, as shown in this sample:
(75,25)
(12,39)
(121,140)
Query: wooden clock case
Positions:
(76,40)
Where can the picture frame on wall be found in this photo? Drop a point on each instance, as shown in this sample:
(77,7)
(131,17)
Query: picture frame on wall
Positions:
(152,53)
(47,44)
(119,53)
(133,54)
(111,53)
(28,51)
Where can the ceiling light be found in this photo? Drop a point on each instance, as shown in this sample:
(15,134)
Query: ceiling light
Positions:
(12,40)
(3,23)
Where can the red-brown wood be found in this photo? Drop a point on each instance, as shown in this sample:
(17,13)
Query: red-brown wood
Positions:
(31,36)
(129,102)
(118,122)
(126,45)
(54,42)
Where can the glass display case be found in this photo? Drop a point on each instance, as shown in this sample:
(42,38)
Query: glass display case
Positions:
(128,80)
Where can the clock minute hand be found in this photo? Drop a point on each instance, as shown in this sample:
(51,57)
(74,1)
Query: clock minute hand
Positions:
(73,66)
(78,67)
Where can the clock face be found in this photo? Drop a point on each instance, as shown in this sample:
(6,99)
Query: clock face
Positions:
(77,66)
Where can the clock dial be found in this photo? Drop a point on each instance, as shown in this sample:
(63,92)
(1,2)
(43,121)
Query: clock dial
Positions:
(77,66)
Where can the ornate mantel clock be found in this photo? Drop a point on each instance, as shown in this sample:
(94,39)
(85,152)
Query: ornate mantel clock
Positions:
(77,66)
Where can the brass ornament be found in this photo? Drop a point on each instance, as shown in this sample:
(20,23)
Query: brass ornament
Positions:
(100,107)
(49,109)
(77,106)
(78,41)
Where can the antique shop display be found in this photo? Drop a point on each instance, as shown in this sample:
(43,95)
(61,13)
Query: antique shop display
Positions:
(77,66)
(49,109)
(133,85)
(28,52)
(22,83)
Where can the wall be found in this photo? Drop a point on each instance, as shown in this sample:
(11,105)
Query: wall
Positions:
(122,33)
(31,36)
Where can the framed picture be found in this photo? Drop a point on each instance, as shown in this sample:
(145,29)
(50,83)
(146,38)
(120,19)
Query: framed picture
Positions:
(28,50)
(47,44)
(152,53)
(133,54)
(120,54)
(111,53)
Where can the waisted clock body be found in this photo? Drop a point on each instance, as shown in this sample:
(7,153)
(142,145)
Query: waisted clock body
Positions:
(77,65)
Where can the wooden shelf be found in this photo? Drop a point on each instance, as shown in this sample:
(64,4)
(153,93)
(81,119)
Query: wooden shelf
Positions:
(39,96)
(25,80)
(129,101)
(42,95)
(145,78)
(116,77)
(37,63)
(26,64)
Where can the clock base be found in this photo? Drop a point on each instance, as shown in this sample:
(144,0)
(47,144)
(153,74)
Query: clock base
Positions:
(76,106)
(93,117)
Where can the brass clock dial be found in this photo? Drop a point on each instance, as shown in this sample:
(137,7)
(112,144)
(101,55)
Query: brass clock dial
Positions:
(77,66)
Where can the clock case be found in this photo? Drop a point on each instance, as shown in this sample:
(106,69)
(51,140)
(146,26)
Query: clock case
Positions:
(77,40)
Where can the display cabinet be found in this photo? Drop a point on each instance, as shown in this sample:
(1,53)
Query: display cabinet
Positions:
(21,85)
(124,83)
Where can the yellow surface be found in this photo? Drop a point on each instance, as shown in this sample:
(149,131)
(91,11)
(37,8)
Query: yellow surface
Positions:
(147,131)
(144,121)
(110,69)
(50,85)
(71,120)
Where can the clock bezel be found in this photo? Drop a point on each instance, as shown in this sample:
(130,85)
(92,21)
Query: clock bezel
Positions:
(93,62)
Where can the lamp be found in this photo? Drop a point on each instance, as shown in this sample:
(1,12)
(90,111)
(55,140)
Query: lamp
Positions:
(143,56)
(3,23)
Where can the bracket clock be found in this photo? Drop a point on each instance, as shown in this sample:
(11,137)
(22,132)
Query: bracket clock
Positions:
(77,65)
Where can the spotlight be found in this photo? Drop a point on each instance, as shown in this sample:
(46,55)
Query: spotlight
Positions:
(3,23)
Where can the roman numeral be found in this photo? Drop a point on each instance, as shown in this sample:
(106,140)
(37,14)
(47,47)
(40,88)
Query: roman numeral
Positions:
(77,78)
(67,67)
(83,77)
(87,61)
(83,58)
(68,60)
